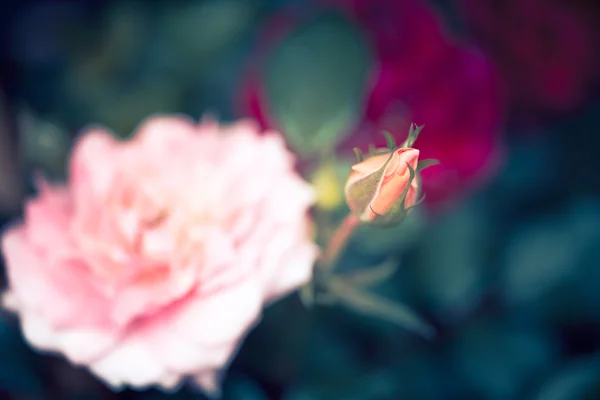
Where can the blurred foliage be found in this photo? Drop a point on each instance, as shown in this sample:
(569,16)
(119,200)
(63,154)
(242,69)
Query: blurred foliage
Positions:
(117,64)
(44,144)
(20,371)
(316,103)
(580,380)
(453,262)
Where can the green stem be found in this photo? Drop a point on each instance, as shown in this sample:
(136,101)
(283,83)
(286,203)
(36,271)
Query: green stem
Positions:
(339,240)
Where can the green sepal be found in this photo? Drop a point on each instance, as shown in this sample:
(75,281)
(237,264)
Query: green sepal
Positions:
(426,163)
(359,155)
(362,192)
(413,134)
(391,142)
(372,149)
(378,152)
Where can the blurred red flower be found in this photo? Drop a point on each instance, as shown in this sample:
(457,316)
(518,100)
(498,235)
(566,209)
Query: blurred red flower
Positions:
(547,50)
(420,76)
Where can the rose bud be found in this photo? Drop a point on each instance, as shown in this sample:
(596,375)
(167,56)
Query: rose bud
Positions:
(382,188)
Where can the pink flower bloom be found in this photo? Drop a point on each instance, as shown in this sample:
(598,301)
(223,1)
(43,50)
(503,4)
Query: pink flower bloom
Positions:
(157,257)
(548,51)
(420,76)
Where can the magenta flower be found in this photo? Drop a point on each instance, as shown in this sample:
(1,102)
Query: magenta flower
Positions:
(547,51)
(421,76)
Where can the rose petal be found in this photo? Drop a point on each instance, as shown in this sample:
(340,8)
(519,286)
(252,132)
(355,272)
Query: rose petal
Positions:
(222,317)
(132,364)
(80,346)
(91,167)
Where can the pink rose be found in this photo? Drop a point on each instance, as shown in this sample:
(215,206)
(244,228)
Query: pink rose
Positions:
(157,257)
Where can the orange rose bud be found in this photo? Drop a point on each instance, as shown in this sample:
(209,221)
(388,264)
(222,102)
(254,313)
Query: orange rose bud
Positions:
(382,188)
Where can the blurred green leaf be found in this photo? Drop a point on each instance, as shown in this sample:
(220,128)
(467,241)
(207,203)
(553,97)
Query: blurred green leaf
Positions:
(198,31)
(453,260)
(376,241)
(376,306)
(578,381)
(498,358)
(45,145)
(381,384)
(373,275)
(315,83)
(243,388)
(539,258)
(551,253)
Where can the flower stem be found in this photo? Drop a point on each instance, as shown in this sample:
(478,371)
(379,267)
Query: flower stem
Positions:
(339,240)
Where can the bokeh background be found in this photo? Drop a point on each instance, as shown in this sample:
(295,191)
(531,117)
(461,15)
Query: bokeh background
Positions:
(503,258)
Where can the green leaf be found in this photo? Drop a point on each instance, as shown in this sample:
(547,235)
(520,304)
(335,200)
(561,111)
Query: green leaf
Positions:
(315,83)
(372,275)
(377,306)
